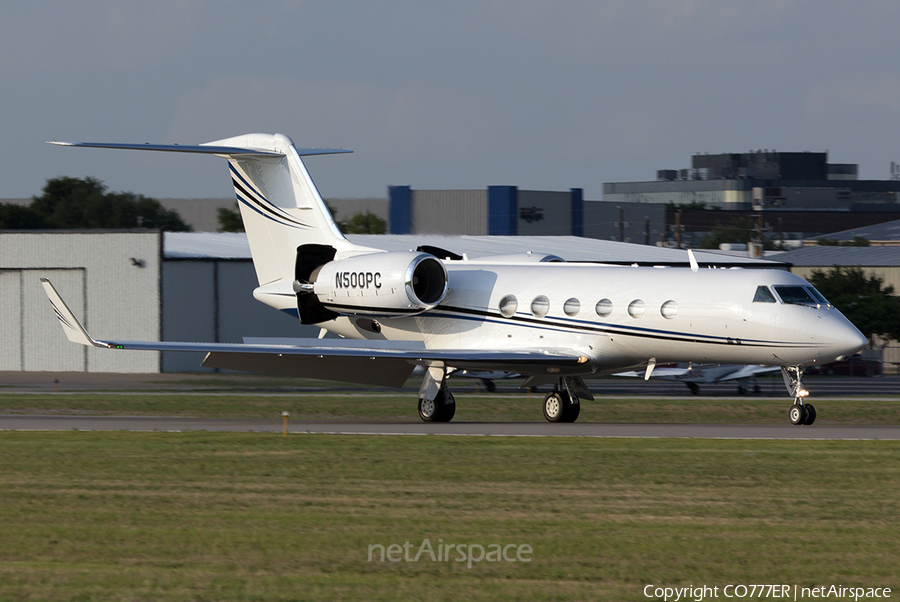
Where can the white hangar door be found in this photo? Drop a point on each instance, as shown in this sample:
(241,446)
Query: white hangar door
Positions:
(11,320)
(42,345)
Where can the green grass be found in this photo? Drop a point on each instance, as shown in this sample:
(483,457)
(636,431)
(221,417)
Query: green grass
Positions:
(227,516)
(401,406)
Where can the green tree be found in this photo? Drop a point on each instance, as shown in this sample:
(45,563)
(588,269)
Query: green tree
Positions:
(230,219)
(364,223)
(736,230)
(18,217)
(864,300)
(84,203)
(858,241)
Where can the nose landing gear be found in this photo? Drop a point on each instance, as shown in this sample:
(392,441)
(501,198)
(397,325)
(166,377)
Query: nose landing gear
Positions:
(800,413)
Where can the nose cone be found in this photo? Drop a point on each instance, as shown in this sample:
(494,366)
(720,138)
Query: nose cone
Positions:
(844,338)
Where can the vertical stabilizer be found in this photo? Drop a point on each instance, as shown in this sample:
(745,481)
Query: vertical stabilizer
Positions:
(280,205)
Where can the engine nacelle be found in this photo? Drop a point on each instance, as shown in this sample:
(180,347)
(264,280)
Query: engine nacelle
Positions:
(381,284)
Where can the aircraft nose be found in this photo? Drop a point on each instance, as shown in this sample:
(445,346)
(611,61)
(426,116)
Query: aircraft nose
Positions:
(847,339)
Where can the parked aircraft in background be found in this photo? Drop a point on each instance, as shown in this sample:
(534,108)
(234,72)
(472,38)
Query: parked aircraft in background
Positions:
(695,375)
(550,321)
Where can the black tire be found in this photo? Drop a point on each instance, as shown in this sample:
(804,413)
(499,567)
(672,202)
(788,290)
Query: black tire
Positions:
(694,388)
(810,413)
(440,409)
(449,409)
(555,406)
(572,411)
(797,414)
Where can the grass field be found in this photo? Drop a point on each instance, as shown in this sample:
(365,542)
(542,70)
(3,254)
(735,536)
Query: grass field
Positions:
(229,516)
(202,516)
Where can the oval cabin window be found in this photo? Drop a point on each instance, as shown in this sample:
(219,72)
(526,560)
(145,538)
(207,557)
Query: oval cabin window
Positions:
(636,308)
(540,306)
(572,307)
(508,305)
(604,308)
(669,309)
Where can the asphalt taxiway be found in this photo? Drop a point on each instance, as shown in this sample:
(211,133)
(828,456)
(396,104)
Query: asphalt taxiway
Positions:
(17,422)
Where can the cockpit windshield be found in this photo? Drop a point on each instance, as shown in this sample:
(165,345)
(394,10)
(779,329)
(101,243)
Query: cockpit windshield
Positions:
(800,295)
(763,295)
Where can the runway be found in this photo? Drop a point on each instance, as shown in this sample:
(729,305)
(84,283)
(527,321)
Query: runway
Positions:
(15,422)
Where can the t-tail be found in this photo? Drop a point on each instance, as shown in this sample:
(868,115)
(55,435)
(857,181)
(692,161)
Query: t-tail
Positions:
(289,228)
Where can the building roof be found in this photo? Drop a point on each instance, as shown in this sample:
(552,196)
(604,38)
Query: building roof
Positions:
(820,256)
(210,245)
(881,232)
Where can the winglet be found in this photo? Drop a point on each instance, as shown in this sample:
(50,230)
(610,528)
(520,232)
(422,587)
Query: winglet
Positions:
(75,332)
(695,267)
(651,364)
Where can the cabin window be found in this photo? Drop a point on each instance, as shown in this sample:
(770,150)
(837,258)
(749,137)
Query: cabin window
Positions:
(763,295)
(669,309)
(636,308)
(604,307)
(508,305)
(540,306)
(572,307)
(795,295)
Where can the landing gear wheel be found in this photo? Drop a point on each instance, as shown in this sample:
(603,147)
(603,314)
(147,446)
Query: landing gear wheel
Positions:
(559,407)
(428,409)
(798,414)
(440,409)
(810,413)
(694,388)
(449,409)
(572,412)
(555,405)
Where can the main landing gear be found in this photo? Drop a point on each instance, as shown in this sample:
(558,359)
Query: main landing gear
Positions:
(800,413)
(563,404)
(440,409)
(436,403)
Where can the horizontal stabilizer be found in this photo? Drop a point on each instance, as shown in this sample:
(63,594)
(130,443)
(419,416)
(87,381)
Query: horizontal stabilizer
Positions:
(208,149)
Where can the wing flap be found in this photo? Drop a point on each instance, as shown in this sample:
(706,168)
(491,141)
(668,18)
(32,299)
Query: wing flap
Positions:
(385,372)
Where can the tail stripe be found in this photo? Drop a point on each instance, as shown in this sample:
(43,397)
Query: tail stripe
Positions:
(253,199)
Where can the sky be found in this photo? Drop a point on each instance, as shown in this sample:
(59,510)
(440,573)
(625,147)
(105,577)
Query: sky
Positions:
(543,95)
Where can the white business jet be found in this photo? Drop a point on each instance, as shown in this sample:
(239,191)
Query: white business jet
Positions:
(550,321)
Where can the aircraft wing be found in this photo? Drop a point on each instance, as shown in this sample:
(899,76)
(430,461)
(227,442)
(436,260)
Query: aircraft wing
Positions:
(748,371)
(703,374)
(386,363)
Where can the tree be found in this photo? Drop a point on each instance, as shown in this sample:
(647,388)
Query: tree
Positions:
(230,219)
(858,241)
(864,300)
(737,230)
(84,203)
(364,223)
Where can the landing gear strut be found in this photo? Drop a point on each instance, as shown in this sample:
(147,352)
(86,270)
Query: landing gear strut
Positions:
(800,413)
(436,403)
